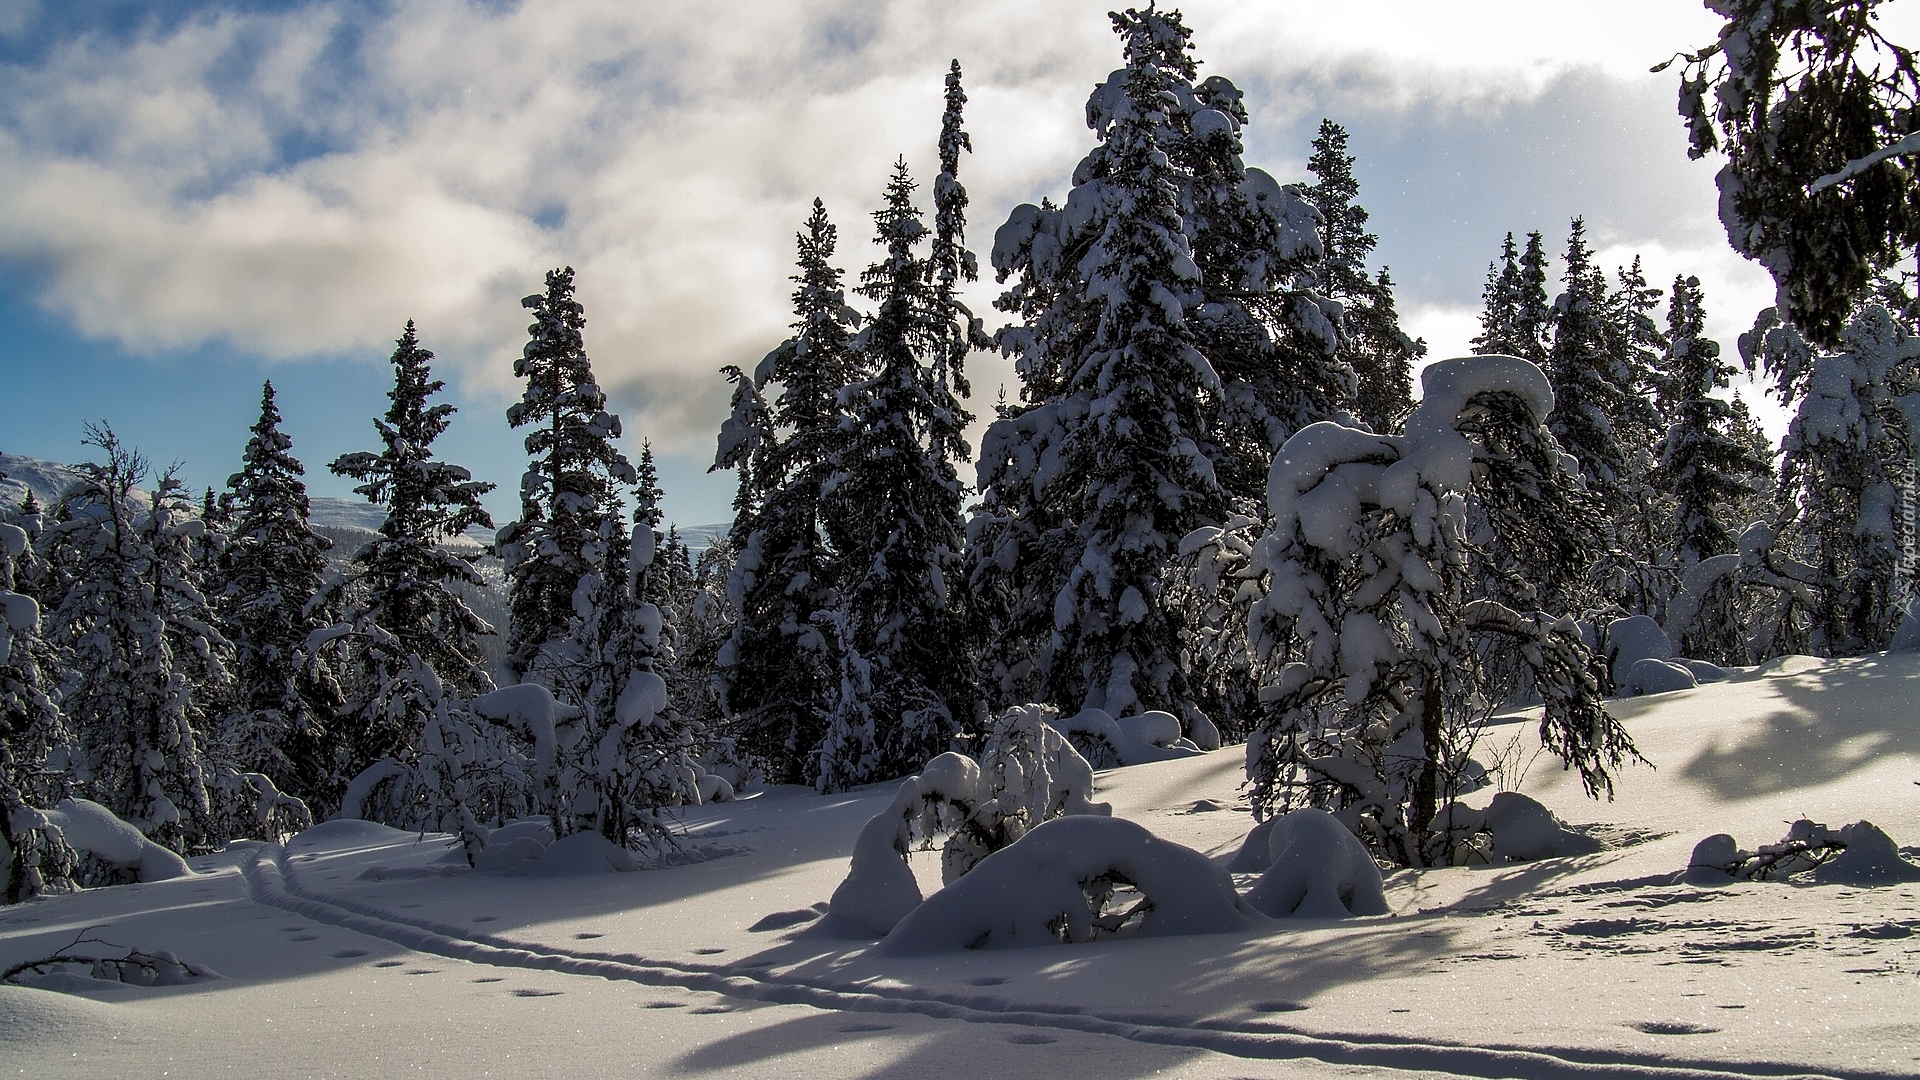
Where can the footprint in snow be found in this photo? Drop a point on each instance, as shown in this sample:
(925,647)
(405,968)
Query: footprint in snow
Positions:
(489,979)
(304,937)
(665,1005)
(1031,1040)
(423,971)
(587,936)
(388,963)
(708,951)
(855,1028)
(537,993)
(348,954)
(1672,1027)
(486,918)
(709,1010)
(1277,1006)
(987,980)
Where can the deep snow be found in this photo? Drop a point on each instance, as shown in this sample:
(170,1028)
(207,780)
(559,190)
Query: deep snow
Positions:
(356,950)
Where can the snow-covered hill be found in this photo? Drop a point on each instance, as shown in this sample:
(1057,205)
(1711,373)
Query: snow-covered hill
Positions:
(358,951)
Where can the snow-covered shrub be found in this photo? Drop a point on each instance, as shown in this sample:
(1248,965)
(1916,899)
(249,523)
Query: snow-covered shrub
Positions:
(94,830)
(1856,854)
(249,804)
(1059,883)
(1028,775)
(1317,869)
(879,889)
(1109,743)
(1377,615)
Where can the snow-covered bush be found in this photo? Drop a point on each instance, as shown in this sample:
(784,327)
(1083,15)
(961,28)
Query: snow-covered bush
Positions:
(1060,883)
(249,804)
(1028,775)
(94,830)
(1109,743)
(1378,618)
(1856,854)
(1316,869)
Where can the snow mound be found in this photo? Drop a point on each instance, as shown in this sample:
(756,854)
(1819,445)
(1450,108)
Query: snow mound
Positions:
(583,853)
(1052,884)
(1869,859)
(346,832)
(1318,870)
(1524,831)
(94,829)
(879,889)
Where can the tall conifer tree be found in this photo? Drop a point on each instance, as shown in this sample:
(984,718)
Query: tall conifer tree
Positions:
(570,496)
(274,566)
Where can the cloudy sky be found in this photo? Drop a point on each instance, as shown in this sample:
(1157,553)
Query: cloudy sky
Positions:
(197,199)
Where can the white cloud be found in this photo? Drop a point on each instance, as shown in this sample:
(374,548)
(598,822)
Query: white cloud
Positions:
(265,181)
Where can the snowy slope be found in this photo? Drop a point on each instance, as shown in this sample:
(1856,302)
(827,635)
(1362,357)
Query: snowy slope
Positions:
(356,950)
(46,479)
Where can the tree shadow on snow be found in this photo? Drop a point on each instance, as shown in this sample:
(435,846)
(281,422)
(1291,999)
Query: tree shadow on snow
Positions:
(1811,741)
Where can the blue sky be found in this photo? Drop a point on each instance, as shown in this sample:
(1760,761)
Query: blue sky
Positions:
(194,201)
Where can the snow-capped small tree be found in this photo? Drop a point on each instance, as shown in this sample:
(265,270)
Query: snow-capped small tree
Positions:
(892,512)
(630,752)
(1848,454)
(773,673)
(1813,107)
(33,857)
(273,569)
(570,495)
(141,654)
(404,604)
(1373,567)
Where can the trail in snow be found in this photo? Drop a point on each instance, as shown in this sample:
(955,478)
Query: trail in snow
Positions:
(272,882)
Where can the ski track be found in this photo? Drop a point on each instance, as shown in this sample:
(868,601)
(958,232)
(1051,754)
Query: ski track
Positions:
(270,882)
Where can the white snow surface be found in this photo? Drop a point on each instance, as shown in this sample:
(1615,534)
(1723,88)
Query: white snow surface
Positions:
(353,951)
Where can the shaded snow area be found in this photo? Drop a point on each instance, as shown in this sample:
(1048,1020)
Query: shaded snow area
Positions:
(355,950)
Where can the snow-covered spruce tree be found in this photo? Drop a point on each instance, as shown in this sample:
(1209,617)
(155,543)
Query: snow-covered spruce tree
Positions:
(404,606)
(1379,353)
(33,856)
(140,653)
(774,672)
(1642,574)
(1516,316)
(569,498)
(1370,566)
(1703,463)
(892,512)
(1813,108)
(949,264)
(1590,383)
(1169,342)
(273,569)
(1849,451)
